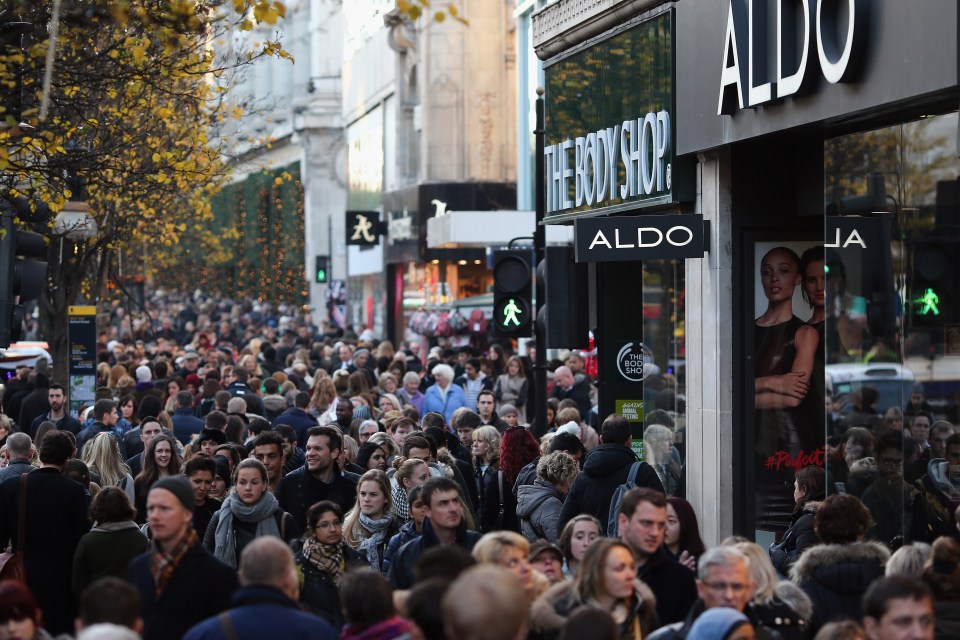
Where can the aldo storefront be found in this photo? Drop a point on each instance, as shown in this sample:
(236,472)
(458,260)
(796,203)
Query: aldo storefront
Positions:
(823,326)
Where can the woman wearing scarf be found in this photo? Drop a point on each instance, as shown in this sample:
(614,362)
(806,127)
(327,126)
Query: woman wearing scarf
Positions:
(321,562)
(371,523)
(248,512)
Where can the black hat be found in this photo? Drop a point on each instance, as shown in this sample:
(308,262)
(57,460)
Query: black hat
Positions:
(180,487)
(212,434)
(540,546)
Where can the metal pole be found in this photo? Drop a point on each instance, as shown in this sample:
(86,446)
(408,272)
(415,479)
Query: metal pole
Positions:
(539,244)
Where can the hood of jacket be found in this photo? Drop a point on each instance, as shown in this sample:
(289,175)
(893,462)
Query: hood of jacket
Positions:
(550,611)
(795,598)
(275,403)
(531,497)
(608,459)
(841,568)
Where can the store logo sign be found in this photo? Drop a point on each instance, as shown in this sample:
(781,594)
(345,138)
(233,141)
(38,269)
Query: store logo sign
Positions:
(630,362)
(838,28)
(613,239)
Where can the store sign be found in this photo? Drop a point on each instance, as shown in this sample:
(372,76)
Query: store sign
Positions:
(630,362)
(837,27)
(638,150)
(623,238)
(610,128)
(363,228)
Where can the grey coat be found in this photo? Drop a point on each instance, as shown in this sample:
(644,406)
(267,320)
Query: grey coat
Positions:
(538,508)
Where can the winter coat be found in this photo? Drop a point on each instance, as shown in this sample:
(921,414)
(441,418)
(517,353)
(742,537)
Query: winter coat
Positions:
(488,484)
(260,611)
(579,393)
(835,576)
(300,420)
(434,401)
(550,611)
(538,507)
(674,585)
(604,469)
(246,532)
(106,551)
(185,425)
(512,390)
(201,586)
(401,569)
(946,624)
(796,540)
(318,593)
(299,490)
(407,533)
(681,630)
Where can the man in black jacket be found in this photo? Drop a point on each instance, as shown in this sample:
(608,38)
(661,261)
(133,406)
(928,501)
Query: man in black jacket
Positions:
(189,584)
(566,385)
(297,417)
(319,479)
(643,524)
(443,525)
(58,413)
(56,519)
(605,469)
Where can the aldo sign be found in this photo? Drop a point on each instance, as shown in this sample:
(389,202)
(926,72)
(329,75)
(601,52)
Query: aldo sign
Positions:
(829,34)
(614,239)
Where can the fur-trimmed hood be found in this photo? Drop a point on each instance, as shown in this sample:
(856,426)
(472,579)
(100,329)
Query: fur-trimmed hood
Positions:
(550,611)
(841,567)
(795,598)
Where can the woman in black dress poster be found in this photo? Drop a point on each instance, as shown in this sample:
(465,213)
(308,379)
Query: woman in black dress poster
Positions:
(788,424)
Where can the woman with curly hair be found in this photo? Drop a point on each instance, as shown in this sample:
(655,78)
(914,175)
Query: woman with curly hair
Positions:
(837,572)
(323,395)
(539,504)
(371,523)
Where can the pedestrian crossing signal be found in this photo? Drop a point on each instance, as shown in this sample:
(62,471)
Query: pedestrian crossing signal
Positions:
(512,292)
(323,269)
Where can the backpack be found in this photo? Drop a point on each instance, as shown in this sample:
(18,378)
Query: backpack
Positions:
(613,529)
(478,322)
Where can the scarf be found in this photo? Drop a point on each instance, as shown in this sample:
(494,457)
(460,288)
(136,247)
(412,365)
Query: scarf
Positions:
(395,628)
(325,557)
(260,513)
(378,534)
(109,527)
(163,565)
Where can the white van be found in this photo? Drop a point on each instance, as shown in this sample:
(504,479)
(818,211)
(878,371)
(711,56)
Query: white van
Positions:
(892,381)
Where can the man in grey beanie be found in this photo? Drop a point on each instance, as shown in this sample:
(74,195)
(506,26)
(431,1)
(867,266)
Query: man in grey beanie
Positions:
(180,582)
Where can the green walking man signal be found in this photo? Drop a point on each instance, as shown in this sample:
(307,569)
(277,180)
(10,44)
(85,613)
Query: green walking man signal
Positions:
(510,313)
(929,300)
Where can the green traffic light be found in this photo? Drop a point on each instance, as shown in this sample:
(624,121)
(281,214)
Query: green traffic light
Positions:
(510,311)
(321,275)
(929,301)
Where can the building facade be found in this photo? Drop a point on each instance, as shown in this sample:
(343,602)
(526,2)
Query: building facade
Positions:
(803,282)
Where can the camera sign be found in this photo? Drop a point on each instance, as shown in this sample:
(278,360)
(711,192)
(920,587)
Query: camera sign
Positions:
(630,361)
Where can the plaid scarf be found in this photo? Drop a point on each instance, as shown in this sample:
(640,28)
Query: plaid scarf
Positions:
(325,557)
(163,564)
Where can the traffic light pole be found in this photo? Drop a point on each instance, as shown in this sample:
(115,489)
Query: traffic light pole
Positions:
(539,247)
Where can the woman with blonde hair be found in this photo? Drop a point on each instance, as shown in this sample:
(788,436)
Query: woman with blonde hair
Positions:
(102,457)
(371,523)
(779,605)
(411,473)
(387,382)
(607,580)
(510,551)
(485,451)
(324,393)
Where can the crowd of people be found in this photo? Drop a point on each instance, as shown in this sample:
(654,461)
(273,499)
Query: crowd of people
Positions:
(244,472)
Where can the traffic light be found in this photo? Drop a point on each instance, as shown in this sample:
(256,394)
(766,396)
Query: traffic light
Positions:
(25,279)
(512,292)
(933,290)
(564,317)
(323,269)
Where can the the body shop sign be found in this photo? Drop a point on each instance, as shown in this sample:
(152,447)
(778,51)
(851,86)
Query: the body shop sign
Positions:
(610,126)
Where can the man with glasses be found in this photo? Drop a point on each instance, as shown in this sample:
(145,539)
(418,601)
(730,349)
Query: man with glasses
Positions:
(889,498)
(642,524)
(723,580)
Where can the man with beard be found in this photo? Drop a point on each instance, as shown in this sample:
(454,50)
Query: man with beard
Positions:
(57,414)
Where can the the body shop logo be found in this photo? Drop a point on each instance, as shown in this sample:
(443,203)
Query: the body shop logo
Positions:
(630,361)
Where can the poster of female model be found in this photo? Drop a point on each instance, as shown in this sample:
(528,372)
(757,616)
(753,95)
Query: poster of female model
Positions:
(789,302)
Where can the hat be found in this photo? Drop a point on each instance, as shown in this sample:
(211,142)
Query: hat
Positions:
(144,374)
(507,408)
(194,379)
(223,469)
(571,427)
(718,623)
(191,355)
(541,546)
(212,434)
(180,487)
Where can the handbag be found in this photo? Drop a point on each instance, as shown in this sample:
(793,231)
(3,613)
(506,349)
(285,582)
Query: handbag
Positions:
(11,564)
(499,525)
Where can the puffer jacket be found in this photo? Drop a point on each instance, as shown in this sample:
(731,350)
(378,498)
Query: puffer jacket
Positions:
(799,537)
(835,576)
(538,507)
(550,611)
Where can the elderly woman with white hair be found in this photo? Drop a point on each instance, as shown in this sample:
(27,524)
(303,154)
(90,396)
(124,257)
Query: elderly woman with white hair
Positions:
(444,397)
